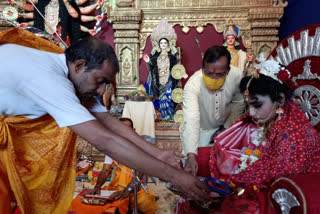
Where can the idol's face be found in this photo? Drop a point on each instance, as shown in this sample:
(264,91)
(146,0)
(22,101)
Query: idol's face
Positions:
(230,40)
(163,44)
(261,108)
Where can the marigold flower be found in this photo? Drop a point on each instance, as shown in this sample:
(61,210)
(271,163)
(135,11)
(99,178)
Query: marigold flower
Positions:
(257,153)
(248,151)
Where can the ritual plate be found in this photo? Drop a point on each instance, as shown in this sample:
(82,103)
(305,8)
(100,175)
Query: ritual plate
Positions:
(178,71)
(177,95)
(94,201)
(99,200)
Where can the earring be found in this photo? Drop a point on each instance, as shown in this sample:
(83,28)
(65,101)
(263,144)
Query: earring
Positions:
(279,112)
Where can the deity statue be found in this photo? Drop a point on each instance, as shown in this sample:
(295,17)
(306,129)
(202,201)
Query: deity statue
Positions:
(126,67)
(160,82)
(72,15)
(239,58)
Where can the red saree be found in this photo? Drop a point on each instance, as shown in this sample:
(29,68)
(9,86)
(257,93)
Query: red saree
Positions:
(292,147)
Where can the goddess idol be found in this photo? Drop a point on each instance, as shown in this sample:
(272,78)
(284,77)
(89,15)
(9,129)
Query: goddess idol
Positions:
(160,82)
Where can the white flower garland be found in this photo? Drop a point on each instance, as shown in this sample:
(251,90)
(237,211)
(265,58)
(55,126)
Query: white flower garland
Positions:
(247,159)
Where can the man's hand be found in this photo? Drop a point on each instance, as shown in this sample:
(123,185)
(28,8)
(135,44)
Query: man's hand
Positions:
(191,186)
(170,157)
(191,164)
(95,191)
(119,195)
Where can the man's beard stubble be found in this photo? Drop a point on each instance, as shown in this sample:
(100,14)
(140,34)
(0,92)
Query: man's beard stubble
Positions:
(86,96)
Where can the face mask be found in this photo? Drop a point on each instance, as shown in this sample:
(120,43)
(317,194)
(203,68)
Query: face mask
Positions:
(213,84)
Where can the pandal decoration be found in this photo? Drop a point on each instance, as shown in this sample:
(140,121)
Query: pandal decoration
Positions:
(178,72)
(178,116)
(177,95)
(10,13)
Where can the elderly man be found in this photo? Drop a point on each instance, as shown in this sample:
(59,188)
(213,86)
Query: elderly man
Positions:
(44,98)
(211,102)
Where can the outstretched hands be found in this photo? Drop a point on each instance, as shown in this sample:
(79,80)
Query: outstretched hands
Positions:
(171,157)
(191,187)
(186,183)
(191,165)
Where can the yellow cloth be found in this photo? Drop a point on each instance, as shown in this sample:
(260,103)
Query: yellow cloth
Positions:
(120,180)
(79,208)
(39,158)
(5,197)
(123,177)
(23,37)
(146,202)
(238,58)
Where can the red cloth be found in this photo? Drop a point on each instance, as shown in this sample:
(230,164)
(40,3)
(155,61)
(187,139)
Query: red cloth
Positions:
(203,162)
(305,188)
(292,148)
(227,149)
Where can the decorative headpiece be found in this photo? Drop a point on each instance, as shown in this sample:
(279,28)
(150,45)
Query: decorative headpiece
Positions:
(231,29)
(273,69)
(163,30)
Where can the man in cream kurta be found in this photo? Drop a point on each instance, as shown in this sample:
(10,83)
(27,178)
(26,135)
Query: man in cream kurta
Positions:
(205,110)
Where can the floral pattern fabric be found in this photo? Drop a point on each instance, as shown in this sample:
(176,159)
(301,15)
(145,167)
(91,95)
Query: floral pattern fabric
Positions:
(293,147)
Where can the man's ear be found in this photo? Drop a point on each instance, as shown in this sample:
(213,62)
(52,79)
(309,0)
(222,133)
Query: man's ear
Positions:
(80,65)
(282,99)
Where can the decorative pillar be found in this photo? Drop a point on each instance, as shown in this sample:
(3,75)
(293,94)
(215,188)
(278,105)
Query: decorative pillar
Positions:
(264,24)
(126,24)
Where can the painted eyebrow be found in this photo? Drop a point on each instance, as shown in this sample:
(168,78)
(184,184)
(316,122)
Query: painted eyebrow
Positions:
(255,101)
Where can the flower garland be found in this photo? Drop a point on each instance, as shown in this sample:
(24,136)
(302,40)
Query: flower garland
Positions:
(252,153)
